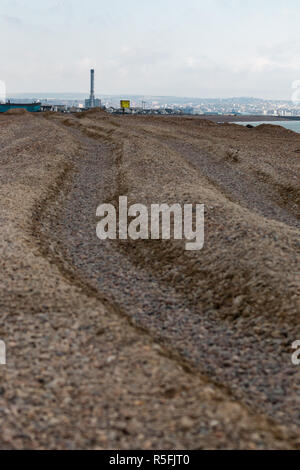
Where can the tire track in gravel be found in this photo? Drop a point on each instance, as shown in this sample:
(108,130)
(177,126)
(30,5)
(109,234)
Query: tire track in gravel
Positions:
(209,345)
(237,186)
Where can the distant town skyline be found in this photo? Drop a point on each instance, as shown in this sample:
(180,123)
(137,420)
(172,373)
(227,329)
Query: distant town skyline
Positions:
(216,49)
(171,104)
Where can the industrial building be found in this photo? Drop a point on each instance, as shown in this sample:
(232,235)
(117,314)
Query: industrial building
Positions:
(92,102)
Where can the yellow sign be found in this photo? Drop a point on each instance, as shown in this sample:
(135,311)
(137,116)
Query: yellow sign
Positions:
(125,104)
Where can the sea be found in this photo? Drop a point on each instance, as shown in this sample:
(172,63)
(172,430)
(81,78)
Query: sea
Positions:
(291,125)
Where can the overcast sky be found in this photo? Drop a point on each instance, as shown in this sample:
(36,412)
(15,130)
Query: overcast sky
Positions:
(200,48)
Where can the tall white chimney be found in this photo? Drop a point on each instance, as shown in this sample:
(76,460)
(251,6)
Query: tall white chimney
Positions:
(92,95)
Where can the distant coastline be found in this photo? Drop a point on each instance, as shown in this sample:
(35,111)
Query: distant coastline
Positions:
(248,118)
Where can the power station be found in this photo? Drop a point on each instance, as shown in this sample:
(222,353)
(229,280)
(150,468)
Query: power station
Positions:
(92,102)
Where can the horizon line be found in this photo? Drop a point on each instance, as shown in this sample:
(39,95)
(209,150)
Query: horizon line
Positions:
(149,95)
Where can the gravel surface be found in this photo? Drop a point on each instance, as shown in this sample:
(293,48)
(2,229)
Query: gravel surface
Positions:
(143,345)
